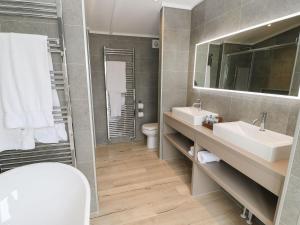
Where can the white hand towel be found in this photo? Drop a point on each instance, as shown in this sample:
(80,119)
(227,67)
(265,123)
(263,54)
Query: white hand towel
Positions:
(25,85)
(116,86)
(206,157)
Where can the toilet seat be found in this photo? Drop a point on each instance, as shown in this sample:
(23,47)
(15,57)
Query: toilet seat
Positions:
(150,126)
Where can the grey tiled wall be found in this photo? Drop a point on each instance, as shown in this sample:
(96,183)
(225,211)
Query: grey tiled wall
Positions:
(76,63)
(79,88)
(175,36)
(212,18)
(291,203)
(146,74)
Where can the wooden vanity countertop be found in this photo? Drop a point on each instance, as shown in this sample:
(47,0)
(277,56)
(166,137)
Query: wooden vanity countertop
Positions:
(277,167)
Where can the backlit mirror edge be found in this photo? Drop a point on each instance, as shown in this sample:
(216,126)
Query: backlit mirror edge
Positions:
(237,32)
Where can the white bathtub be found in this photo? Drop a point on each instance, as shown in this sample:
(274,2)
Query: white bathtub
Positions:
(44,194)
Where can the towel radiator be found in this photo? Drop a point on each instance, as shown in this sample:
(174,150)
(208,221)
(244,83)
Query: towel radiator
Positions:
(63,152)
(122,127)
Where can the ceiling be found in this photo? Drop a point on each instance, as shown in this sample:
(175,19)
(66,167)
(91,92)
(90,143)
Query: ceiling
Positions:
(129,17)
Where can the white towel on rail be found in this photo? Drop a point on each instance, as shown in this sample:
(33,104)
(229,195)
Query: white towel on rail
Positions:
(58,131)
(116,86)
(52,134)
(25,85)
(11,139)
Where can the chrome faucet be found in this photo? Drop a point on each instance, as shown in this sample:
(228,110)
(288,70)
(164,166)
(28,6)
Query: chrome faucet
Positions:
(262,120)
(198,104)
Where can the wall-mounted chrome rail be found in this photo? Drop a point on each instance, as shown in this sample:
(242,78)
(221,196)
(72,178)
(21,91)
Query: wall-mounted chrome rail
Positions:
(125,126)
(28,9)
(63,152)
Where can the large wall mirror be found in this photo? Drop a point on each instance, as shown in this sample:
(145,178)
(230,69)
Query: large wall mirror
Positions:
(265,59)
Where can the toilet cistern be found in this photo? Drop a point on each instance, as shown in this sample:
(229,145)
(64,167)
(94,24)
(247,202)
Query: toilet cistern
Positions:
(198,104)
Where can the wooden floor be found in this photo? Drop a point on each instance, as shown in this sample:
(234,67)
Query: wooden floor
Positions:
(136,188)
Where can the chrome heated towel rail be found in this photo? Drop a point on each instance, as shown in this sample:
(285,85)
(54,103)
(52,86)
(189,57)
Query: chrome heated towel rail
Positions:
(124,126)
(63,152)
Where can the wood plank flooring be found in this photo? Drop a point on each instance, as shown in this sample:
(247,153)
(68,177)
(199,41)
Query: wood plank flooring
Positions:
(136,188)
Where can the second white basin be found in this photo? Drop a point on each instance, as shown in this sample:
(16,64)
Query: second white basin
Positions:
(191,115)
(269,145)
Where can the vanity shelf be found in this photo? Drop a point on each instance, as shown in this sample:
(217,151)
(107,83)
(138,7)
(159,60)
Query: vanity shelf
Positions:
(181,143)
(257,199)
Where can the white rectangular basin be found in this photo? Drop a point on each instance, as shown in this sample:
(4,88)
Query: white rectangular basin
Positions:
(191,115)
(269,145)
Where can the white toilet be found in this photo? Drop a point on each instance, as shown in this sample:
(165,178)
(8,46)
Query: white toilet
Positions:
(151,131)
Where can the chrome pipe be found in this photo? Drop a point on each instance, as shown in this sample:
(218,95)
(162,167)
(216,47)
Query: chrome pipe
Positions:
(44,4)
(28,8)
(37,15)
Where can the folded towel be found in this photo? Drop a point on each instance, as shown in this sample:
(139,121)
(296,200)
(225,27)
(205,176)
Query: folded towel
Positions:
(192,150)
(206,157)
(116,86)
(25,85)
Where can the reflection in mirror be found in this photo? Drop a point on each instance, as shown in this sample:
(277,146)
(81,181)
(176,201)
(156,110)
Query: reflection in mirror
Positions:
(265,60)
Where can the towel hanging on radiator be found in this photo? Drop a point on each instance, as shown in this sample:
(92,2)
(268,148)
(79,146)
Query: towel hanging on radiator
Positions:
(25,84)
(58,131)
(116,86)
(24,138)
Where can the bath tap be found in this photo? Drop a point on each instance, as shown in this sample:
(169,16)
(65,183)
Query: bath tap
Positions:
(198,104)
(262,121)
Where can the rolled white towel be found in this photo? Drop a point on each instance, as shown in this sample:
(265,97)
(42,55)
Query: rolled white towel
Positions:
(206,157)
(192,150)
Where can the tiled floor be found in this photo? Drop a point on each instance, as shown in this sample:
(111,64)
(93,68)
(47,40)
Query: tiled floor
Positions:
(136,188)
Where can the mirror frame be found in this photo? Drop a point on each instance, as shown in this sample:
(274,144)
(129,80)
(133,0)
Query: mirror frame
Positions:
(237,32)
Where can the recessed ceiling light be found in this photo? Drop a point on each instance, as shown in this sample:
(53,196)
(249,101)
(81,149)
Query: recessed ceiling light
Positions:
(269,25)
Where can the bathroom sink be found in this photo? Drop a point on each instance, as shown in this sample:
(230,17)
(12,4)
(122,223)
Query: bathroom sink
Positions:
(191,115)
(269,145)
